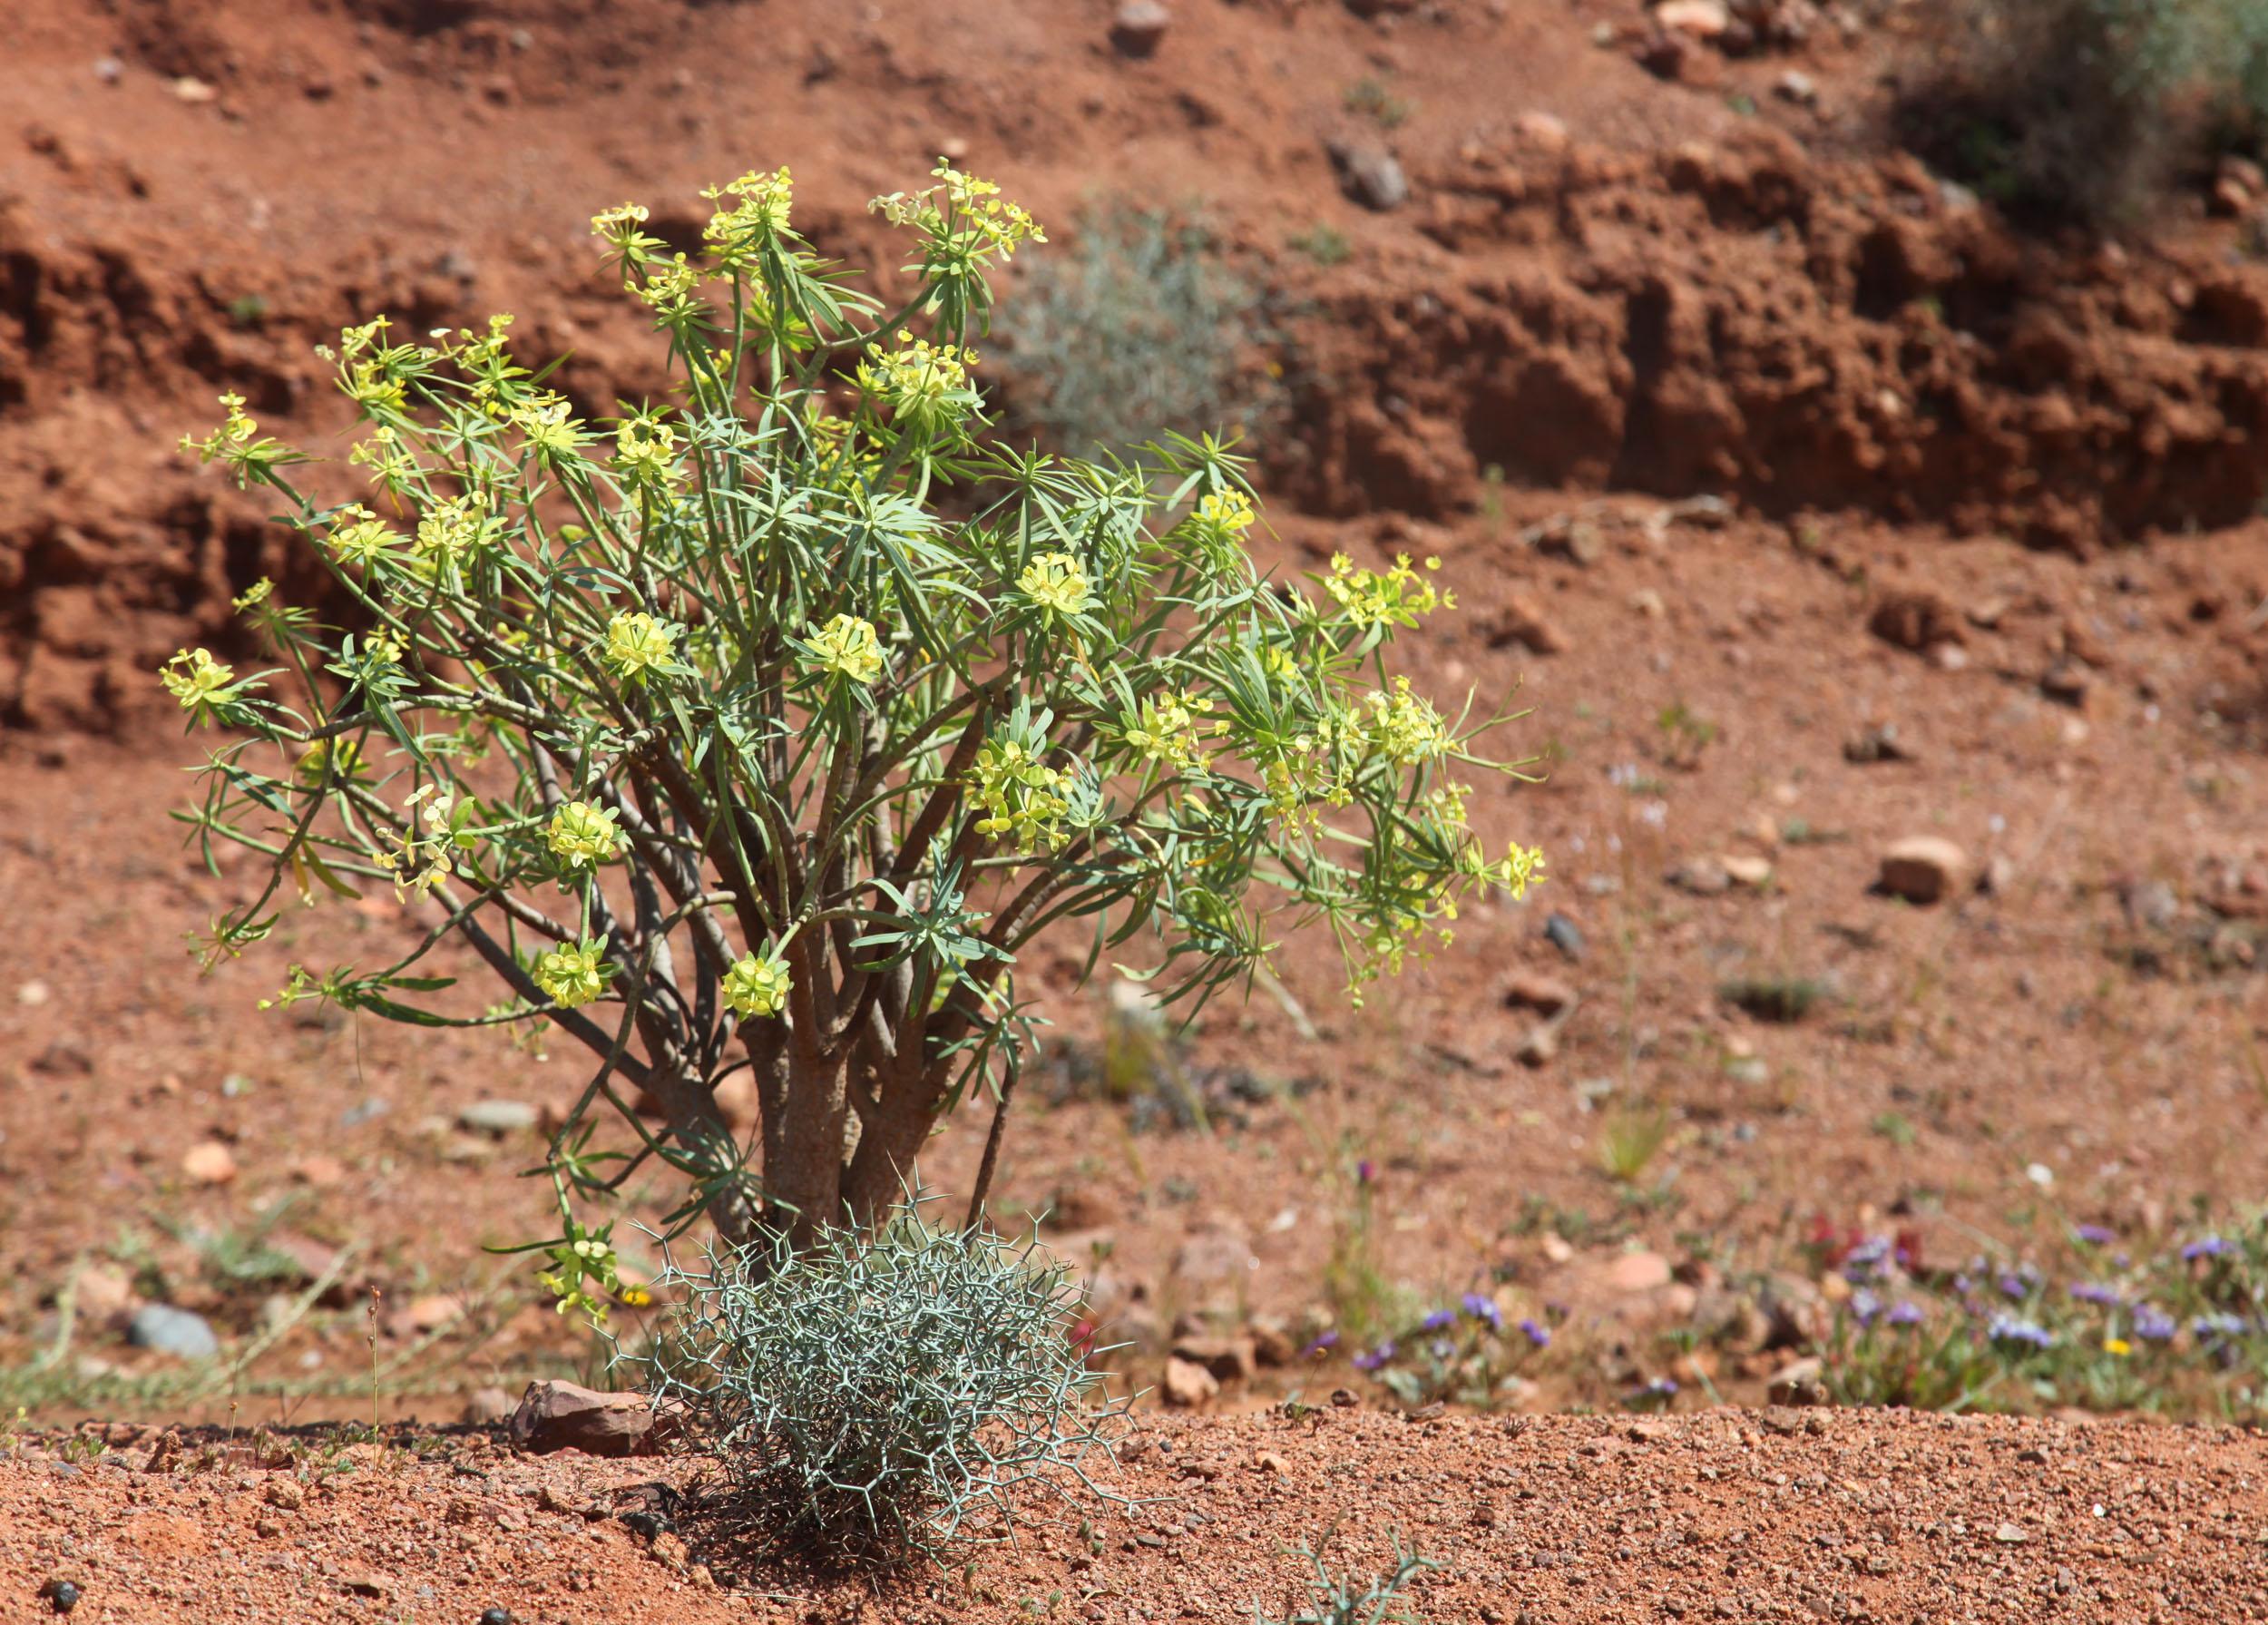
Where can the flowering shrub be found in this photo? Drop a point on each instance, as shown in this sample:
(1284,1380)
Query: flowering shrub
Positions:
(2121,1333)
(766,727)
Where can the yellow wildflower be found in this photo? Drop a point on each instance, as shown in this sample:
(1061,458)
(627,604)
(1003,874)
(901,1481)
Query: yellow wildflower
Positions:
(758,984)
(637,643)
(847,645)
(573,974)
(1056,583)
(198,681)
(581,835)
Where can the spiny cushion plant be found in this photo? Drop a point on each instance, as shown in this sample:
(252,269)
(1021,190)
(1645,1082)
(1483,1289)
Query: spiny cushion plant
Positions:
(875,1397)
(764,727)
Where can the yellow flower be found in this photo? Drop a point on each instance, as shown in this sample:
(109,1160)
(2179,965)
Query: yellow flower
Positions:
(581,835)
(552,432)
(761,205)
(847,645)
(450,528)
(1168,729)
(637,643)
(918,381)
(573,974)
(1396,597)
(195,678)
(757,985)
(1055,583)
(1403,727)
(2119,1346)
(1226,512)
(645,453)
(360,537)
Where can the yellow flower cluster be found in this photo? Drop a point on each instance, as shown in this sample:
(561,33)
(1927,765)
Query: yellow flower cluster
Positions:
(1056,583)
(391,465)
(645,454)
(573,974)
(451,529)
(918,381)
(422,861)
(360,538)
(1170,729)
(1225,513)
(848,646)
(1396,597)
(581,835)
(1002,224)
(548,422)
(198,681)
(759,211)
(1020,796)
(1403,727)
(758,984)
(637,643)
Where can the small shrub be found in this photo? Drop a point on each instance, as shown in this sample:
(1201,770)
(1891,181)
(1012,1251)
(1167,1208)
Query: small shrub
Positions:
(2084,109)
(1370,98)
(1336,1600)
(1783,999)
(1630,1141)
(878,1397)
(1326,245)
(1144,328)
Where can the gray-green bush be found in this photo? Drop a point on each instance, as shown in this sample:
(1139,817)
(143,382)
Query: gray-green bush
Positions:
(2088,109)
(878,1396)
(1142,327)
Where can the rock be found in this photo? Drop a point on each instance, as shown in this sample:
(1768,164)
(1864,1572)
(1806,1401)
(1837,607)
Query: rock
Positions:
(1547,995)
(425,1314)
(1521,620)
(1562,934)
(563,1415)
(1649,603)
(1797,87)
(1797,1386)
(1746,870)
(1877,744)
(2066,683)
(1139,27)
(1189,1385)
(320,1171)
(1543,132)
(102,1293)
(1916,618)
(1636,1272)
(1272,1341)
(283,1493)
(2011,1534)
(33,994)
(1215,1259)
(1230,1359)
(1540,1047)
(1924,869)
(168,1330)
(209,1162)
(61,1595)
(1703,19)
(1369,174)
(194,91)
(497,1117)
(2149,905)
(485,1407)
(1702,877)
(1797,1312)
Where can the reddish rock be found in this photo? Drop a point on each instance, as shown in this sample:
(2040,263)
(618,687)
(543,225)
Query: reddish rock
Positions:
(560,1415)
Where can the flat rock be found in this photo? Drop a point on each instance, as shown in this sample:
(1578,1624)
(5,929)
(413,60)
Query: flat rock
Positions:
(168,1330)
(562,1415)
(1230,1359)
(1924,869)
(1369,174)
(1547,995)
(209,1162)
(1189,1385)
(1139,25)
(498,1117)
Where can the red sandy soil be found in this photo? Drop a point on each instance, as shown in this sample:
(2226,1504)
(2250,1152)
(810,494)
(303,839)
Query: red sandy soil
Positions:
(1722,1515)
(1893,391)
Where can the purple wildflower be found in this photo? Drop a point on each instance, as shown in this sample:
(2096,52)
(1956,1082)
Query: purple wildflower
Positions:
(1366,1172)
(1866,1307)
(1323,1343)
(2207,1246)
(2154,1324)
(1538,1334)
(1372,1359)
(2008,1328)
(2097,1235)
(1437,1320)
(2218,1326)
(1442,1348)
(2096,1292)
(1482,1307)
(1904,1313)
(1660,1392)
(1865,1262)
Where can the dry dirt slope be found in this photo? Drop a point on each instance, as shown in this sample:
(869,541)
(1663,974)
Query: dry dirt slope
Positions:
(1790,1516)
